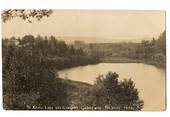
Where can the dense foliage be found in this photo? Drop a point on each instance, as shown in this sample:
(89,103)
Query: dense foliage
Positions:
(28,79)
(29,70)
(57,53)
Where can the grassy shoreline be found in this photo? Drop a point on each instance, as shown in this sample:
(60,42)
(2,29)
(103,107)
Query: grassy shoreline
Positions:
(127,60)
(120,60)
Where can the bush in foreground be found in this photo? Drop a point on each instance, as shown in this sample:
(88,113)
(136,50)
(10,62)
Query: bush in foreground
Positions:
(110,94)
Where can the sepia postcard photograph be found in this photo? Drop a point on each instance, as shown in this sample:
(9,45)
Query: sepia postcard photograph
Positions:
(83,60)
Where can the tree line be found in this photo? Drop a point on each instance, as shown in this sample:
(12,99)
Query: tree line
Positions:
(56,52)
(151,52)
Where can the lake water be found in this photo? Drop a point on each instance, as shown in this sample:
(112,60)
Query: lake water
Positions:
(149,79)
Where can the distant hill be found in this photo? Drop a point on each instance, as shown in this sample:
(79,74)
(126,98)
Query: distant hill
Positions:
(98,39)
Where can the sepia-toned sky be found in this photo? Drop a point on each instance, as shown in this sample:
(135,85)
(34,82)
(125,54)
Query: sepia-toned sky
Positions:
(110,25)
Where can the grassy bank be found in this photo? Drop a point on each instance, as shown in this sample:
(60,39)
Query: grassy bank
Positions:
(127,60)
(75,91)
(157,64)
(119,60)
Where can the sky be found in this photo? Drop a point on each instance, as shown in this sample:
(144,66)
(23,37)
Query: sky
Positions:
(91,25)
